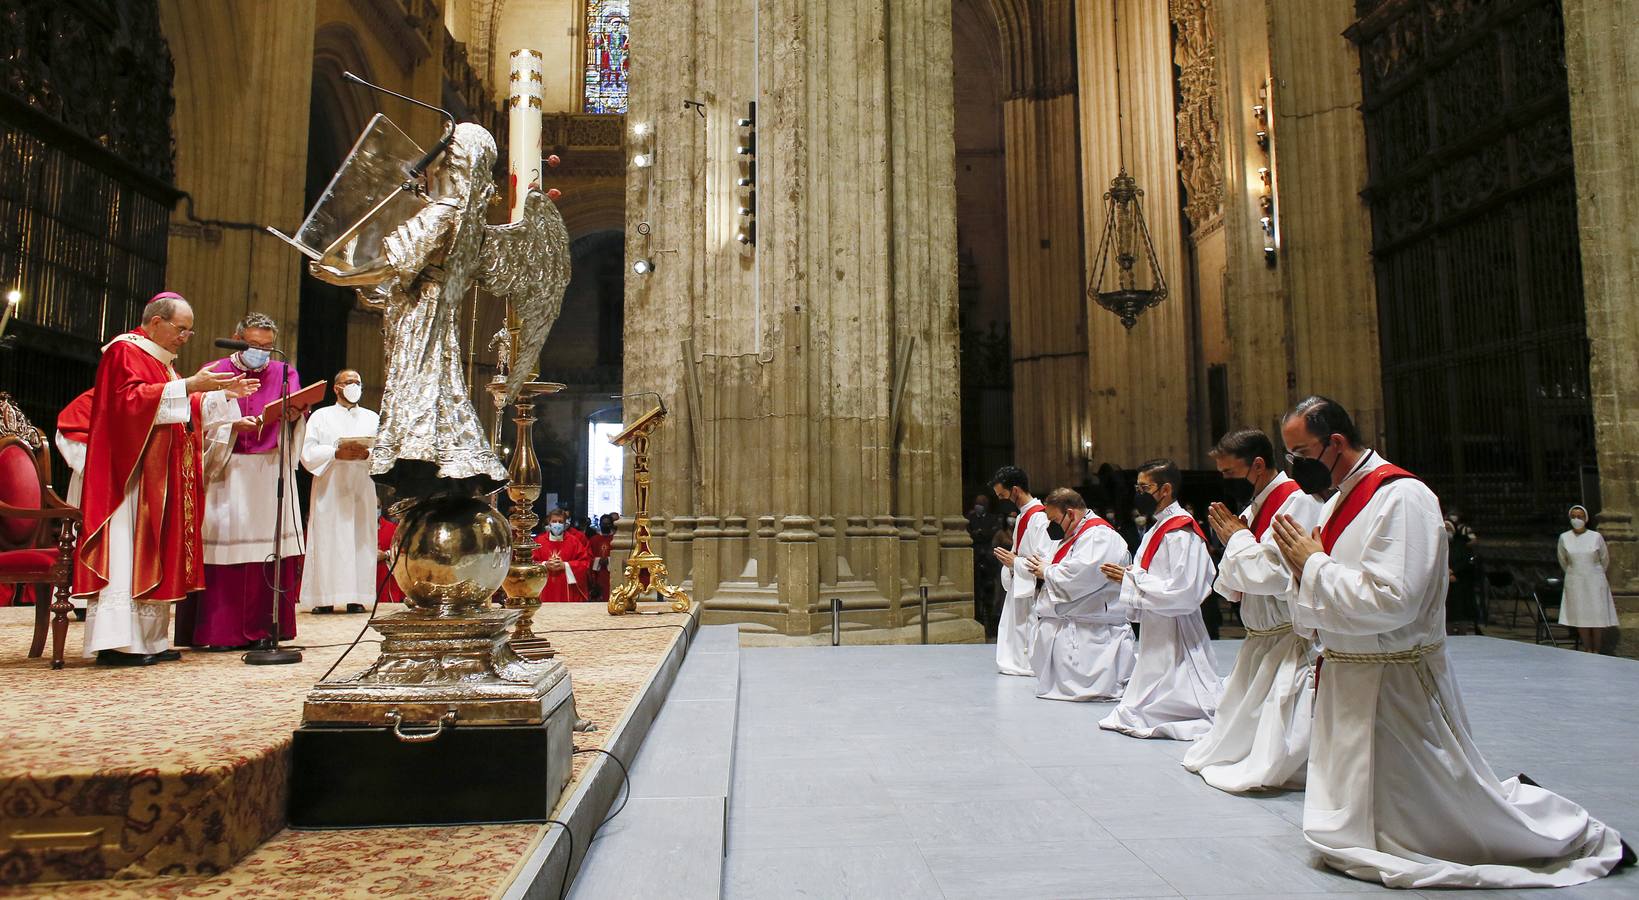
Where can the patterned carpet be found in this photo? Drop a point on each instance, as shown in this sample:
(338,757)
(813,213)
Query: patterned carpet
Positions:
(196,751)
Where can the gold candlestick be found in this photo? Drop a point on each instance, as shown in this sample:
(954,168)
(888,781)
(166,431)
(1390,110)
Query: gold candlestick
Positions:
(645,570)
(525,577)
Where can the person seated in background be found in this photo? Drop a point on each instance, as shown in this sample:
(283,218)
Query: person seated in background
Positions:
(567,557)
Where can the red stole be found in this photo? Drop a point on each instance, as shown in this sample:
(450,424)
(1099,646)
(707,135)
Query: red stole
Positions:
(1018,530)
(167,553)
(1272,505)
(385,530)
(1351,505)
(1064,548)
(1176,523)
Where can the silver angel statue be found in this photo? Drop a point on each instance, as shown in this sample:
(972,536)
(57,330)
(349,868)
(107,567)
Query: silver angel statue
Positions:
(431,441)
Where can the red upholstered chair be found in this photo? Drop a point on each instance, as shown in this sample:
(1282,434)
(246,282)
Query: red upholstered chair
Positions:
(37,529)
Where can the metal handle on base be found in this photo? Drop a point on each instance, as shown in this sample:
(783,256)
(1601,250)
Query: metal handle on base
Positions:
(447,719)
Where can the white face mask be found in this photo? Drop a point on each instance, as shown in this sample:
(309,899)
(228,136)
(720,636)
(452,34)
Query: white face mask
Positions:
(352,392)
(1578,523)
(254,358)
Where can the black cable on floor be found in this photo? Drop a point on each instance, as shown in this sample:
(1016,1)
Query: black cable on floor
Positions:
(626,779)
(381,588)
(563,886)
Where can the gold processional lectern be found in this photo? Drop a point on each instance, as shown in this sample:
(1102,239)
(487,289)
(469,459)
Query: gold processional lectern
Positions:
(645,570)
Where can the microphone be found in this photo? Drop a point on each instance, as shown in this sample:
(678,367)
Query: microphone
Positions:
(438,148)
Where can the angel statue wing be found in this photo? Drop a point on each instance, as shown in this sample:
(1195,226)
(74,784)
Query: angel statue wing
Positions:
(527,263)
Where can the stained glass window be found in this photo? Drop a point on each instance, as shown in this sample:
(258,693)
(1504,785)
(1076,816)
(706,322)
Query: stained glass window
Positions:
(607,55)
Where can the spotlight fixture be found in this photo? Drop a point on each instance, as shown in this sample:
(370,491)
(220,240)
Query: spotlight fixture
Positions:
(643,160)
(743,123)
(745,149)
(745,211)
(747,234)
(643,266)
(1267,220)
(640,129)
(743,181)
(14,296)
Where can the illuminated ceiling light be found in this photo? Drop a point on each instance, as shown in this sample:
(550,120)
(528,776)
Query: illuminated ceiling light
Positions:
(640,129)
(643,160)
(14,296)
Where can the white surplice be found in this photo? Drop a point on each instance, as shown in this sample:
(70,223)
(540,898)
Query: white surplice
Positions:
(1260,738)
(113,620)
(1397,790)
(240,507)
(342,521)
(1083,648)
(1018,620)
(1174,688)
(74,454)
(1587,602)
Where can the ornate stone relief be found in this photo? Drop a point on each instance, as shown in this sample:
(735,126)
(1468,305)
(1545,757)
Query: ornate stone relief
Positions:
(1200,156)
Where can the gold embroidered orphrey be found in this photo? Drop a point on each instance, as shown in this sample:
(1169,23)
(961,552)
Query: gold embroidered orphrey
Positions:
(645,570)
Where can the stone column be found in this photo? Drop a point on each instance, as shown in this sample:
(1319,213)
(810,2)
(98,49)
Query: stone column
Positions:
(815,371)
(1325,226)
(1140,381)
(1600,49)
(241,154)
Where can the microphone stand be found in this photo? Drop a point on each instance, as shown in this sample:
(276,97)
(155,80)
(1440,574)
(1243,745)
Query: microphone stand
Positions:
(276,655)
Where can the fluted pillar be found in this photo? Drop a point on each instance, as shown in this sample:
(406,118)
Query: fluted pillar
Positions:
(1602,54)
(1140,381)
(814,375)
(1325,225)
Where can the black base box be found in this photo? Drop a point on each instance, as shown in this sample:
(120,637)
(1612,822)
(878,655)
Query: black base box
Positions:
(364,777)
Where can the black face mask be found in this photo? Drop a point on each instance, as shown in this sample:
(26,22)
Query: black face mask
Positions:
(1055,530)
(1238,493)
(1312,475)
(1145,503)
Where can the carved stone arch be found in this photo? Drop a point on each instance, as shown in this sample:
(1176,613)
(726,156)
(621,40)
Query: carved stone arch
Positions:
(1037,46)
(590,210)
(337,49)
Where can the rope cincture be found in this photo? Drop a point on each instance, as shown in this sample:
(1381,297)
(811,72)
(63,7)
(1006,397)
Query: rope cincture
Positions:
(1394,657)
(1282,628)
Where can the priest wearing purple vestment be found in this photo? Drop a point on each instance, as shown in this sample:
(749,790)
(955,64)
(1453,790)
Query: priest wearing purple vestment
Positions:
(235,611)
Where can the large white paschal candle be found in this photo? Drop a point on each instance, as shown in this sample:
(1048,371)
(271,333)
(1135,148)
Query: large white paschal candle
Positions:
(525,93)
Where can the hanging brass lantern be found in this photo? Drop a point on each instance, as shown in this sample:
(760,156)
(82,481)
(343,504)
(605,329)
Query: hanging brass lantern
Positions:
(1123,226)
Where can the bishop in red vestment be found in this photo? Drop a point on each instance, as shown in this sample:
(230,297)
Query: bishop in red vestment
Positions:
(143,497)
(568,560)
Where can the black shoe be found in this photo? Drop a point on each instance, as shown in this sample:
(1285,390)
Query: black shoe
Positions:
(327,610)
(121,658)
(1523,778)
(79,614)
(355,608)
(168,655)
(1628,858)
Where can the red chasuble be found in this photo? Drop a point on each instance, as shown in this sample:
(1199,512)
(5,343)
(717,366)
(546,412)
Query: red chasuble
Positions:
(385,529)
(576,555)
(1176,523)
(74,422)
(599,545)
(1272,505)
(167,552)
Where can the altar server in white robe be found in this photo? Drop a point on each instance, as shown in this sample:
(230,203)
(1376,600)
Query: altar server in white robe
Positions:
(342,518)
(1398,792)
(1018,619)
(1083,648)
(1260,739)
(1174,688)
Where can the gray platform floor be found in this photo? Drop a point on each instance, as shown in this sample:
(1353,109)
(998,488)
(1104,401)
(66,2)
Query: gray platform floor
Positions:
(903,772)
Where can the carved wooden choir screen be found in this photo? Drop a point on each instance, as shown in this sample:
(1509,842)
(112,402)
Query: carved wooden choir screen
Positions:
(1479,280)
